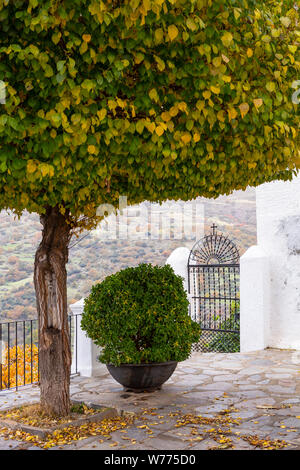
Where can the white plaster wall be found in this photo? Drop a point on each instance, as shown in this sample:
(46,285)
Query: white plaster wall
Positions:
(255,300)
(87,352)
(178,260)
(278,232)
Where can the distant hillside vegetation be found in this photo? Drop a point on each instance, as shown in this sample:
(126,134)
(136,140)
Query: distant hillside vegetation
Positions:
(91,259)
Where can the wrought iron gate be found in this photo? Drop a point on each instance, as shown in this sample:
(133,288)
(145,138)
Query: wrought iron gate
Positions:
(214,288)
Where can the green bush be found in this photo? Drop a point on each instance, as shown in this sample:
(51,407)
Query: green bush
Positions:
(140,315)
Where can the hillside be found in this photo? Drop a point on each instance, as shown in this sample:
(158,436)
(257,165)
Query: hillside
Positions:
(98,254)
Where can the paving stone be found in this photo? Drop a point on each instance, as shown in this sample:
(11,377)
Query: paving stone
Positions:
(290,400)
(244,414)
(215,408)
(248,387)
(166,442)
(225,378)
(280,390)
(279,376)
(208,396)
(262,362)
(218,386)
(289,422)
(205,384)
(206,444)
(256,402)
(244,394)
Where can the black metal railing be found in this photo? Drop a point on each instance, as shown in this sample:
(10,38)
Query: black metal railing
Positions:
(19,358)
(215,305)
(214,288)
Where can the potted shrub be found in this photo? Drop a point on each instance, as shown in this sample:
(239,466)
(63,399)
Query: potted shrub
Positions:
(139,317)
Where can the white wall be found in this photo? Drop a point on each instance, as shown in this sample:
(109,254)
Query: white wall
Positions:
(87,352)
(270,301)
(278,232)
(178,260)
(255,300)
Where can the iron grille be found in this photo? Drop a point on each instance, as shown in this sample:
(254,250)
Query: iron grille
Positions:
(19,343)
(214,288)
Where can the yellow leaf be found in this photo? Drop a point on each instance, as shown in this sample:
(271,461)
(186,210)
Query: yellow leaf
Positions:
(244,108)
(101,114)
(206,95)
(227,39)
(140,126)
(153,94)
(160,63)
(159,130)
(258,103)
(252,165)
(186,138)
(237,13)
(174,111)
(217,61)
(200,105)
(83,48)
(215,89)
(86,37)
(226,78)
(31,166)
(150,126)
(221,116)
(196,137)
(191,24)
(232,114)
(286,21)
(172,32)
(182,106)
(270,86)
(159,35)
(249,52)
(92,149)
(166,116)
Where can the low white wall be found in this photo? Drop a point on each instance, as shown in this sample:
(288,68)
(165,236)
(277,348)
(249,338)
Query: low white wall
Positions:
(255,300)
(87,351)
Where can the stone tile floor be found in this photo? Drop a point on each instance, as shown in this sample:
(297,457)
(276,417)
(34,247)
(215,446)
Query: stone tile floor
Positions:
(262,390)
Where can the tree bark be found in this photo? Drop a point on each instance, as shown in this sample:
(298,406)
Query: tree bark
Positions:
(50,281)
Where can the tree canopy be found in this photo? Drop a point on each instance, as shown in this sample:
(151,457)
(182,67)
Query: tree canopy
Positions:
(153,99)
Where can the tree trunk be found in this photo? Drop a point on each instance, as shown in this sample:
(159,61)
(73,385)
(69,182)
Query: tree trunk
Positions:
(50,281)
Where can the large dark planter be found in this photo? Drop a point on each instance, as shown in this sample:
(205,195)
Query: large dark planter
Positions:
(142,377)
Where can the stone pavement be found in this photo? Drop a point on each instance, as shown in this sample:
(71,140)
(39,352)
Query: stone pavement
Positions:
(259,391)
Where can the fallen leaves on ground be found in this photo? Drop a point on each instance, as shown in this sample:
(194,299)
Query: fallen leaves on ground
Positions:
(72,433)
(198,428)
(34,415)
(266,444)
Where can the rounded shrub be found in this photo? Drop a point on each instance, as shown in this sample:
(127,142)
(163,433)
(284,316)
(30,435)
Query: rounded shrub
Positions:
(140,315)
